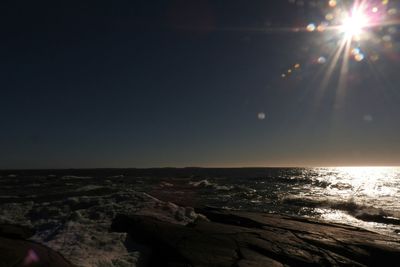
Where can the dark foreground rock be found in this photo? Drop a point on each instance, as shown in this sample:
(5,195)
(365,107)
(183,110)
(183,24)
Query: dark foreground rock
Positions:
(243,239)
(15,251)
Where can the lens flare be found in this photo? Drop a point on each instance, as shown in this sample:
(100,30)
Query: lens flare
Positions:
(354,23)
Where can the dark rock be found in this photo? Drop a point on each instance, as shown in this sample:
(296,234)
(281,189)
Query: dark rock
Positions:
(244,239)
(16,231)
(16,252)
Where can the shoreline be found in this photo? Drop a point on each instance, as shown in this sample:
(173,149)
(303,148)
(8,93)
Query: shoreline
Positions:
(73,215)
(229,238)
(257,239)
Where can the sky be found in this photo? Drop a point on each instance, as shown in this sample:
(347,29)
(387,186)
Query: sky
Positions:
(198,83)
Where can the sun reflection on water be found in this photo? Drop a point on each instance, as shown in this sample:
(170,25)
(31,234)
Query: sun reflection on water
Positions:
(368,181)
(367,197)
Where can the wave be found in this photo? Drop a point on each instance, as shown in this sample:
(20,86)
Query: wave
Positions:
(78,226)
(205,183)
(300,180)
(359,211)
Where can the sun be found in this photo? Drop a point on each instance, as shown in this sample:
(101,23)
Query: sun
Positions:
(354,23)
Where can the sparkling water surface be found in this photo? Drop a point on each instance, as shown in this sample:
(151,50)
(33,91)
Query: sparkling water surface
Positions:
(365,197)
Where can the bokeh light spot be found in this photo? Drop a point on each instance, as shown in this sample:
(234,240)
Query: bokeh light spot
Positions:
(392,30)
(368,118)
(321,27)
(374,57)
(321,60)
(261,116)
(329,16)
(355,51)
(332,3)
(387,38)
(359,57)
(31,258)
(392,11)
(311,27)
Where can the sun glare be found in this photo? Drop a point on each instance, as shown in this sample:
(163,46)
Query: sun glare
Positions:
(354,23)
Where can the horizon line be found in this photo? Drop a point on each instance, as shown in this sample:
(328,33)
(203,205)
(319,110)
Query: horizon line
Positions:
(201,167)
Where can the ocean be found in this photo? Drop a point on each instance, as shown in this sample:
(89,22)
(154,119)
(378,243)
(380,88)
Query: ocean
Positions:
(367,197)
(72,209)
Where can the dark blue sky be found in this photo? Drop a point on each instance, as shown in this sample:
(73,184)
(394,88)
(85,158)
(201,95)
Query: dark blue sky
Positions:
(181,83)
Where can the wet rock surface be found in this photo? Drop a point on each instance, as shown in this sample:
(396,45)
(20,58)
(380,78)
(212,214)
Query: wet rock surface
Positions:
(16,251)
(244,239)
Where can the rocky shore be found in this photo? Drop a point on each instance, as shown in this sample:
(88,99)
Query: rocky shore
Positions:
(71,220)
(244,239)
(225,238)
(17,251)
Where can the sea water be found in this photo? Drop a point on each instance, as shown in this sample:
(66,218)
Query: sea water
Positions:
(367,197)
(72,210)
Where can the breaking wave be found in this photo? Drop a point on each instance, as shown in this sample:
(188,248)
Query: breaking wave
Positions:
(212,185)
(359,211)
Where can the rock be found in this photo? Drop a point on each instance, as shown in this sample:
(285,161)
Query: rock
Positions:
(16,231)
(245,239)
(15,251)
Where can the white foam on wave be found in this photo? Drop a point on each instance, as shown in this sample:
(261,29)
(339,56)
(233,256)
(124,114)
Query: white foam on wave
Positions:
(350,212)
(206,183)
(78,227)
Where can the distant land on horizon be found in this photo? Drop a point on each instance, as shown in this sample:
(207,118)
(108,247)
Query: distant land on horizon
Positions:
(191,168)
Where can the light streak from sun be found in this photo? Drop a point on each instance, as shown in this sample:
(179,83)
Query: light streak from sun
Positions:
(351,27)
(354,23)
(351,33)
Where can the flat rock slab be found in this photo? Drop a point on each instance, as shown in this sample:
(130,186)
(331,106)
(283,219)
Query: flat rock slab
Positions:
(17,252)
(245,239)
